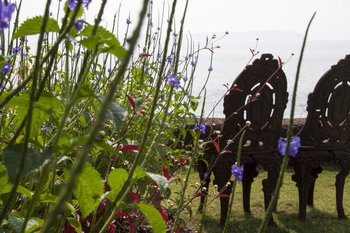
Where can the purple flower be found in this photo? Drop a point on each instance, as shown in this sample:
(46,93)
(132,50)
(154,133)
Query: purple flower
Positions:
(16,49)
(6,12)
(237,172)
(73,3)
(293,148)
(109,70)
(202,127)
(6,67)
(169,59)
(173,80)
(210,69)
(185,79)
(78,24)
(175,34)
(44,128)
(128,21)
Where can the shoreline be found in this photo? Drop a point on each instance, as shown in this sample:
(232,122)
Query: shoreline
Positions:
(285,121)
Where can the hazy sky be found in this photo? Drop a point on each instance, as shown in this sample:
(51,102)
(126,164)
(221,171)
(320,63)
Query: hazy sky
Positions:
(332,20)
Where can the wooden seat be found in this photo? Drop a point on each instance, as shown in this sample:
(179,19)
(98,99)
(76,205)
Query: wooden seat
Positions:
(325,135)
(258,96)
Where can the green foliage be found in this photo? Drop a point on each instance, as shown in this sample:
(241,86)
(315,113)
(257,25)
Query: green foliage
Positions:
(153,216)
(12,156)
(116,180)
(33,26)
(103,39)
(89,190)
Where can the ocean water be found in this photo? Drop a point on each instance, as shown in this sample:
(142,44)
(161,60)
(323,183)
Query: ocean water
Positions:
(233,55)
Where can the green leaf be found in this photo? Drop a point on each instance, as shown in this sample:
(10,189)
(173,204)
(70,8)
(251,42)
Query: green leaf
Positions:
(12,156)
(75,224)
(33,224)
(139,173)
(48,106)
(153,216)
(161,181)
(15,222)
(89,190)
(104,38)
(116,112)
(116,180)
(33,25)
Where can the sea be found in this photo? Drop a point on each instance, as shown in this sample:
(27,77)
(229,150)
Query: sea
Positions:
(232,53)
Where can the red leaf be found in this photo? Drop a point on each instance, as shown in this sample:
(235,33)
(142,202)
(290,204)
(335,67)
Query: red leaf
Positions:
(163,213)
(134,197)
(236,89)
(145,55)
(129,147)
(217,146)
(165,172)
(200,195)
(132,102)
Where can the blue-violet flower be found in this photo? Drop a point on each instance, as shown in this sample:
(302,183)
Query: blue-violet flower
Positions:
(6,67)
(237,172)
(78,24)
(73,3)
(293,148)
(6,11)
(173,80)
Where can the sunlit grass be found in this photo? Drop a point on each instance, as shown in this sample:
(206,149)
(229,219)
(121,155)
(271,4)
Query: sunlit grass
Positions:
(320,218)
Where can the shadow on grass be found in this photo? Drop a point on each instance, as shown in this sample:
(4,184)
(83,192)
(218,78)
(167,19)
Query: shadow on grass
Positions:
(317,221)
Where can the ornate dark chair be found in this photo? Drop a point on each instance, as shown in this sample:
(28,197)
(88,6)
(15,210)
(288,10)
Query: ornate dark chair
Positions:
(258,96)
(325,135)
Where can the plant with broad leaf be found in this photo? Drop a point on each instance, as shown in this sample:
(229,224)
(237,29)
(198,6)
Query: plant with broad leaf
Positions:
(86,121)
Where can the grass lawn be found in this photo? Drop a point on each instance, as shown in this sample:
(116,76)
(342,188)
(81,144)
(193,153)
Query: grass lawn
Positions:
(320,218)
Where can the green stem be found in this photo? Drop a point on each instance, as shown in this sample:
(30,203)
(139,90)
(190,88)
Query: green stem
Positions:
(238,163)
(78,164)
(29,118)
(273,202)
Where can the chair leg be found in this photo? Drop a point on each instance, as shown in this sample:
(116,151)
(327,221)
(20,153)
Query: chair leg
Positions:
(314,175)
(339,184)
(222,177)
(205,181)
(250,173)
(302,178)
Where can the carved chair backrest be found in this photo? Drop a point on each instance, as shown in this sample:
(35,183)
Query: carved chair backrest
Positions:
(328,121)
(259,95)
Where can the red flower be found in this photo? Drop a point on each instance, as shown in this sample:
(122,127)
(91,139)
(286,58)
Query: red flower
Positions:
(165,172)
(134,197)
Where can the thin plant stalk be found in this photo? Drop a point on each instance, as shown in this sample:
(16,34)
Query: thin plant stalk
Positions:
(273,201)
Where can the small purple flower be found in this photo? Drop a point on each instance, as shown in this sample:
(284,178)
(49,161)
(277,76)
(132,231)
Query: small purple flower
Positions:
(77,56)
(193,62)
(293,148)
(169,59)
(237,172)
(109,70)
(44,128)
(158,28)
(16,50)
(202,127)
(175,34)
(73,3)
(147,68)
(6,11)
(78,24)
(6,68)
(128,21)
(185,79)
(210,69)
(173,80)
(205,175)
